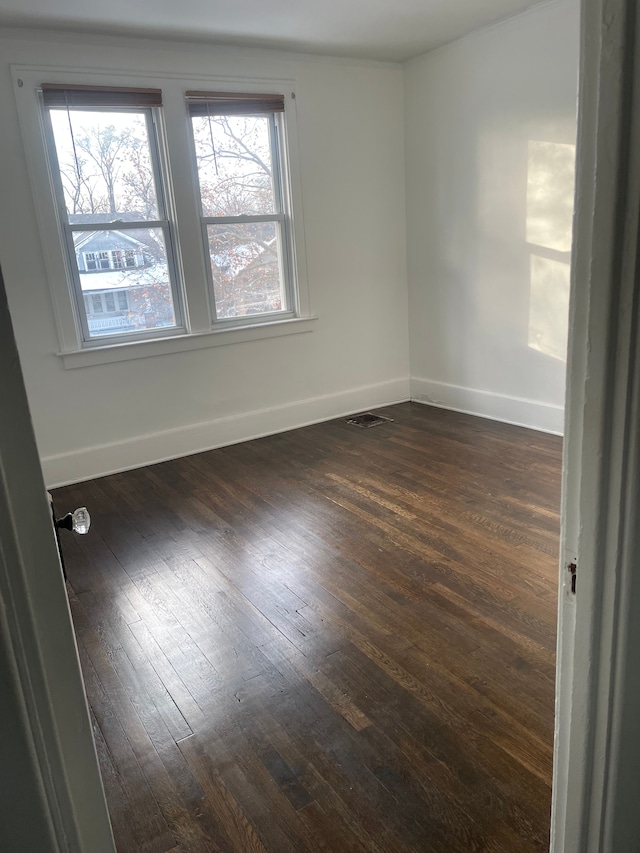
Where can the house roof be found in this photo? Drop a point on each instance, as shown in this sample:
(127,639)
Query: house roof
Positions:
(81,238)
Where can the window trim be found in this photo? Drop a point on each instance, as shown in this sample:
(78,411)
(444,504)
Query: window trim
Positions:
(128,349)
(199,331)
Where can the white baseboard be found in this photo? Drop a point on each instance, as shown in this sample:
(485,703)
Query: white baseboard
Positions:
(102,459)
(533,414)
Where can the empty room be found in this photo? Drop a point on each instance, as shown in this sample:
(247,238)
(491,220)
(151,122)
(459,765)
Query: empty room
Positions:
(289,288)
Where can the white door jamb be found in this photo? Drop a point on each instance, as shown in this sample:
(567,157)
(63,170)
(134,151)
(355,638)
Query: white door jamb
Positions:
(601,487)
(51,758)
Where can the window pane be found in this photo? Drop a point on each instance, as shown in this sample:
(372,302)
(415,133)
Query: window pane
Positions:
(245,263)
(105,165)
(144,299)
(233,154)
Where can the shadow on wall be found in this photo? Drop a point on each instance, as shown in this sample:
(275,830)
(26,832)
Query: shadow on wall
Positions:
(550,189)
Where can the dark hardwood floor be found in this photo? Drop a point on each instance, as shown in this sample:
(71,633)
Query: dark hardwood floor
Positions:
(334,639)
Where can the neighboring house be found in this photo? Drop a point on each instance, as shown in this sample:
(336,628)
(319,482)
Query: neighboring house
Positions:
(124,284)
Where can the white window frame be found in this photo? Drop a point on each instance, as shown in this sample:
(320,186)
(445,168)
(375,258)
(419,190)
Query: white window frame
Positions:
(199,328)
(165,223)
(282,217)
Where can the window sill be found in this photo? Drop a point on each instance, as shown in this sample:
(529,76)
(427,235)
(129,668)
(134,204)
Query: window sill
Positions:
(128,350)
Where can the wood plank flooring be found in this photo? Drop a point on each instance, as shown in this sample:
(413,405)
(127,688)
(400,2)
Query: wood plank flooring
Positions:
(334,639)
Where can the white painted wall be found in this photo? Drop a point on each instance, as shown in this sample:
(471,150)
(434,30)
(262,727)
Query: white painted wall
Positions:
(490,130)
(489,125)
(93,420)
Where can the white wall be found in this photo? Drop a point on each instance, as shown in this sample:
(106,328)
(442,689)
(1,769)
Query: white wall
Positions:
(97,419)
(489,125)
(490,130)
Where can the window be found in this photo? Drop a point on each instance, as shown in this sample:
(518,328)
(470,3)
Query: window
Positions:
(108,313)
(125,259)
(244,209)
(96,261)
(178,201)
(116,259)
(112,203)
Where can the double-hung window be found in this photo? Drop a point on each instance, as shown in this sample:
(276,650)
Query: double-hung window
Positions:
(113,203)
(170,223)
(244,203)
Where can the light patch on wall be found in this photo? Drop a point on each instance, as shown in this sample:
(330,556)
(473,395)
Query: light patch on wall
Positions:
(549,306)
(550,188)
(550,191)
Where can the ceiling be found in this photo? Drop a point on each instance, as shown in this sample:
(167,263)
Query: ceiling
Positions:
(394,30)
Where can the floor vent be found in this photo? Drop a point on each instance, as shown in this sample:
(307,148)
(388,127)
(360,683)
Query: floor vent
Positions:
(368,420)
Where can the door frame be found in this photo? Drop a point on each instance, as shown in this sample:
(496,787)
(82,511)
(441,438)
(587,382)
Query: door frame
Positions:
(51,757)
(595,673)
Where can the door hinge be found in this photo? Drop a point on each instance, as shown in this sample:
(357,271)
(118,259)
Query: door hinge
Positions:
(572,568)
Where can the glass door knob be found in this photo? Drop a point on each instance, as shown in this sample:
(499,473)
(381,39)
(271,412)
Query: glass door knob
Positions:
(79,520)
